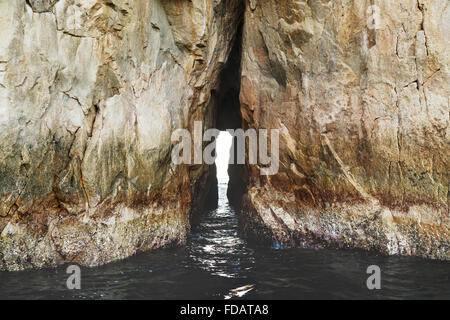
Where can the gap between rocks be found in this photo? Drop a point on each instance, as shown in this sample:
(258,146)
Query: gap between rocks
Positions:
(227,112)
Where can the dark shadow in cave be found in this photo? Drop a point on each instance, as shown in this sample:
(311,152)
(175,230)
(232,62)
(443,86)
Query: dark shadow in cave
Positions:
(227,112)
(229,116)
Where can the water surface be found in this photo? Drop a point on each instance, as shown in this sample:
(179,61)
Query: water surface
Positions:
(218,264)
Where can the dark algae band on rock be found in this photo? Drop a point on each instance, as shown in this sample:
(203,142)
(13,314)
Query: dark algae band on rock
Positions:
(218,264)
(91,92)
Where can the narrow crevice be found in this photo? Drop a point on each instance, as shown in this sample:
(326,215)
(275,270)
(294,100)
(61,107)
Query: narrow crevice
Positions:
(229,115)
(227,96)
(225,107)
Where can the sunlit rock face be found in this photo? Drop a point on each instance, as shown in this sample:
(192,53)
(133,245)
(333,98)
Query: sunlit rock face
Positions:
(364,116)
(90,93)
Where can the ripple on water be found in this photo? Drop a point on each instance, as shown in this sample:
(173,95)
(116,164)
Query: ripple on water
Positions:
(217,263)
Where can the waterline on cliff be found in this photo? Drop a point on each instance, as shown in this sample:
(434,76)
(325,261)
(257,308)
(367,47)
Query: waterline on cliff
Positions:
(218,264)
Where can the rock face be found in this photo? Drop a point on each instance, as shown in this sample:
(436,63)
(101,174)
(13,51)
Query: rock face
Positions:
(90,93)
(361,95)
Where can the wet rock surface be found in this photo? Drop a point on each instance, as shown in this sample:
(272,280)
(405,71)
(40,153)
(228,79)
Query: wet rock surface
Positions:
(364,115)
(91,91)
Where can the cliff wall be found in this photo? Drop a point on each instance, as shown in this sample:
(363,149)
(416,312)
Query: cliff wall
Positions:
(92,90)
(360,91)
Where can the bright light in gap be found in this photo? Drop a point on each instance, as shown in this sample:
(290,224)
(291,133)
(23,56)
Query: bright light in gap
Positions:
(223,147)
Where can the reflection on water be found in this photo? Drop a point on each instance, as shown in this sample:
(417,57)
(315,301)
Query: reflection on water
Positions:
(215,245)
(218,264)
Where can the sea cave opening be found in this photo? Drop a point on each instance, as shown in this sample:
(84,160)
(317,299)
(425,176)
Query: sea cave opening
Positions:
(224,181)
(223,148)
(229,117)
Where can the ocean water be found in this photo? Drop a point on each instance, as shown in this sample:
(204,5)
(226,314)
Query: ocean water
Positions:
(218,264)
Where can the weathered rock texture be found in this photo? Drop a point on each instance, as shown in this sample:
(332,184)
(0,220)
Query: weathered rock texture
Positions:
(90,93)
(364,112)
